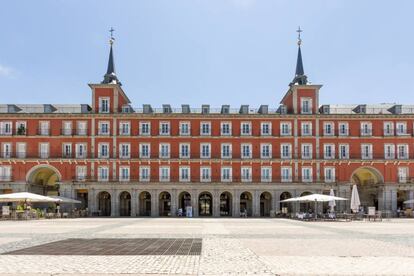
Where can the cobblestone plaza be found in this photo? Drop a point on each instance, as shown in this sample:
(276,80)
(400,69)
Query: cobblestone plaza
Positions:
(160,246)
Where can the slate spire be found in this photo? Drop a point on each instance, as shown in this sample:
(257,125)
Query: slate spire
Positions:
(300,77)
(110,76)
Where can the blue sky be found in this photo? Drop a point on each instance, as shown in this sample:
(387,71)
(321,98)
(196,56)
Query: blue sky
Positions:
(206,52)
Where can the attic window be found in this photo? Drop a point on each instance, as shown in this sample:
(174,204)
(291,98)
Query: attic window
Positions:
(225,109)
(205,109)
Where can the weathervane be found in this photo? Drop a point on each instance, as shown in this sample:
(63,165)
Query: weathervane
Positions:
(299,39)
(111,39)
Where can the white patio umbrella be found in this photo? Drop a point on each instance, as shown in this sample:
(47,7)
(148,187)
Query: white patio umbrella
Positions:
(411,201)
(319,198)
(332,203)
(26,197)
(292,199)
(355,202)
(66,200)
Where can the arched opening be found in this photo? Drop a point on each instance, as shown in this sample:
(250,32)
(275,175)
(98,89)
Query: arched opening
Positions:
(125,204)
(401,197)
(184,204)
(165,204)
(306,207)
(226,204)
(367,180)
(265,204)
(246,200)
(145,204)
(104,204)
(285,207)
(44,180)
(205,202)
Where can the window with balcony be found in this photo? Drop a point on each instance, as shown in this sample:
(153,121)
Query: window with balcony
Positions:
(306,151)
(6,128)
(285,129)
(185,128)
(164,150)
(5,173)
(389,151)
(246,128)
(306,128)
(80,149)
(266,174)
(44,128)
(205,151)
(226,151)
(103,105)
(366,151)
(388,128)
(266,128)
(246,151)
(205,128)
(286,151)
(7,150)
(225,128)
(403,174)
(123,173)
(329,151)
(44,150)
(328,129)
(144,150)
(124,150)
(306,105)
(286,174)
(402,128)
(67,150)
(21,150)
(307,174)
(226,174)
(165,128)
(329,173)
(184,174)
(125,128)
(366,129)
(246,174)
(103,128)
(265,151)
(205,174)
(402,152)
(67,128)
(82,128)
(81,172)
(144,173)
(164,174)
(184,150)
(103,150)
(343,129)
(343,151)
(144,128)
(103,173)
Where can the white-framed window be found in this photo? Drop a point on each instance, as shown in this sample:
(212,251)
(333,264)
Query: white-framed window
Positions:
(343,151)
(246,150)
(80,150)
(205,174)
(164,174)
(285,129)
(205,150)
(44,150)
(403,174)
(366,151)
(124,150)
(67,127)
(402,151)
(328,129)
(266,174)
(402,128)
(329,151)
(21,150)
(81,128)
(286,174)
(103,104)
(184,174)
(164,128)
(366,128)
(286,151)
(205,128)
(7,150)
(67,150)
(266,128)
(306,105)
(44,127)
(245,128)
(6,128)
(144,128)
(388,128)
(246,174)
(144,150)
(306,151)
(5,173)
(307,174)
(306,128)
(124,173)
(21,128)
(164,150)
(103,128)
(226,149)
(125,128)
(265,150)
(185,129)
(184,150)
(81,172)
(389,151)
(103,173)
(329,173)
(144,173)
(103,150)
(225,128)
(343,129)
(226,174)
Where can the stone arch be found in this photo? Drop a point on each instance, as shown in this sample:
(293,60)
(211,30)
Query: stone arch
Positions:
(104,203)
(164,204)
(265,204)
(125,204)
(285,207)
(367,180)
(44,179)
(205,204)
(145,204)
(226,204)
(246,203)
(184,202)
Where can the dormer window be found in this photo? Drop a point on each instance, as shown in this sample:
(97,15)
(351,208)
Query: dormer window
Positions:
(104,105)
(306,105)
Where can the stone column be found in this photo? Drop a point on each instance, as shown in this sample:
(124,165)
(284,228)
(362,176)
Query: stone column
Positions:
(92,202)
(410,197)
(236,204)
(134,203)
(275,201)
(194,202)
(256,203)
(114,203)
(174,202)
(155,210)
(216,203)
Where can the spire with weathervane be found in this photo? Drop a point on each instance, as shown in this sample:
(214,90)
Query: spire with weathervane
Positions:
(300,77)
(110,76)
